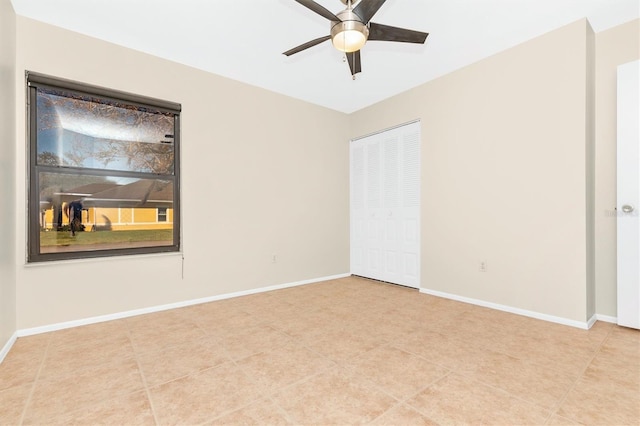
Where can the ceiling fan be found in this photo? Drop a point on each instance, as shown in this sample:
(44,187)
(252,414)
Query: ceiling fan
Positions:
(352,28)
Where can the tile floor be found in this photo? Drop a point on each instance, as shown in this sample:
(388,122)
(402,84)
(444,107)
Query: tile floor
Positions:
(349,351)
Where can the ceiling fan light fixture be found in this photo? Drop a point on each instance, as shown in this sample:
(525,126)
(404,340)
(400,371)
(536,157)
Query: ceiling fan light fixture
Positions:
(351,28)
(349,41)
(350,34)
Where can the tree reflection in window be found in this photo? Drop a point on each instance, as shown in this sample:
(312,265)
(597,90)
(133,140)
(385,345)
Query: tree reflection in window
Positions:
(83,131)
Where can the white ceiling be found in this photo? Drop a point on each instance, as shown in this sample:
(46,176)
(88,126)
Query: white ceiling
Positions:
(244,40)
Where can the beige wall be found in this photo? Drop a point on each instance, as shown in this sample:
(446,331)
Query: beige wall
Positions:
(7,171)
(590,152)
(504,175)
(262,174)
(505,179)
(614,47)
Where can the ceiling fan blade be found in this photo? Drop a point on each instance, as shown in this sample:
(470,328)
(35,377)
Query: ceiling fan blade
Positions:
(306,45)
(354,62)
(320,10)
(388,33)
(367,8)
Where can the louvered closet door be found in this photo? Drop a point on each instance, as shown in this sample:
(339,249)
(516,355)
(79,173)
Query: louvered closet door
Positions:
(385,205)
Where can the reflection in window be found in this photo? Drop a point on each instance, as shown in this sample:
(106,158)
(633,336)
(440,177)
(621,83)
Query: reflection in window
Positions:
(162,214)
(103,172)
(81,131)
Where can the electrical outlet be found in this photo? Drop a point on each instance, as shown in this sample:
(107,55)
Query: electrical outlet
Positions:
(274,258)
(483,266)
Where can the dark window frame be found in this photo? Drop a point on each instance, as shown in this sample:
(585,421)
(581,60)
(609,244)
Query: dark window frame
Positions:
(35,81)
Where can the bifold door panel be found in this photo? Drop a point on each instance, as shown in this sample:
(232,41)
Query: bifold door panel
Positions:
(385,205)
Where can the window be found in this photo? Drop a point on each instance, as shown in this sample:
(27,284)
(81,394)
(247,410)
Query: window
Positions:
(102,164)
(162,214)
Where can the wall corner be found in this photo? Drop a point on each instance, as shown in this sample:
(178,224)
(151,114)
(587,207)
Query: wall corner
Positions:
(7,173)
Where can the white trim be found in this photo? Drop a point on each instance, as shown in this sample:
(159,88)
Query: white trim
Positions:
(152,309)
(607,318)
(101,259)
(416,120)
(591,321)
(7,347)
(585,325)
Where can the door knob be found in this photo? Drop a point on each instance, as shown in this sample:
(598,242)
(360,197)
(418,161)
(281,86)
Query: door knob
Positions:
(627,208)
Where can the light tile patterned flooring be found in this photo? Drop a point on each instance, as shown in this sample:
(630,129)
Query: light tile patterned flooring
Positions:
(349,351)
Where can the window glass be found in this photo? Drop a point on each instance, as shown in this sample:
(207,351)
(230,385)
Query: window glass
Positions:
(162,214)
(80,131)
(103,175)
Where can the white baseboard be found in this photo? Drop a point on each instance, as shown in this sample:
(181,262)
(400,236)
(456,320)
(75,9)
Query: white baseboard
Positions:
(591,321)
(532,314)
(606,318)
(7,347)
(152,309)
